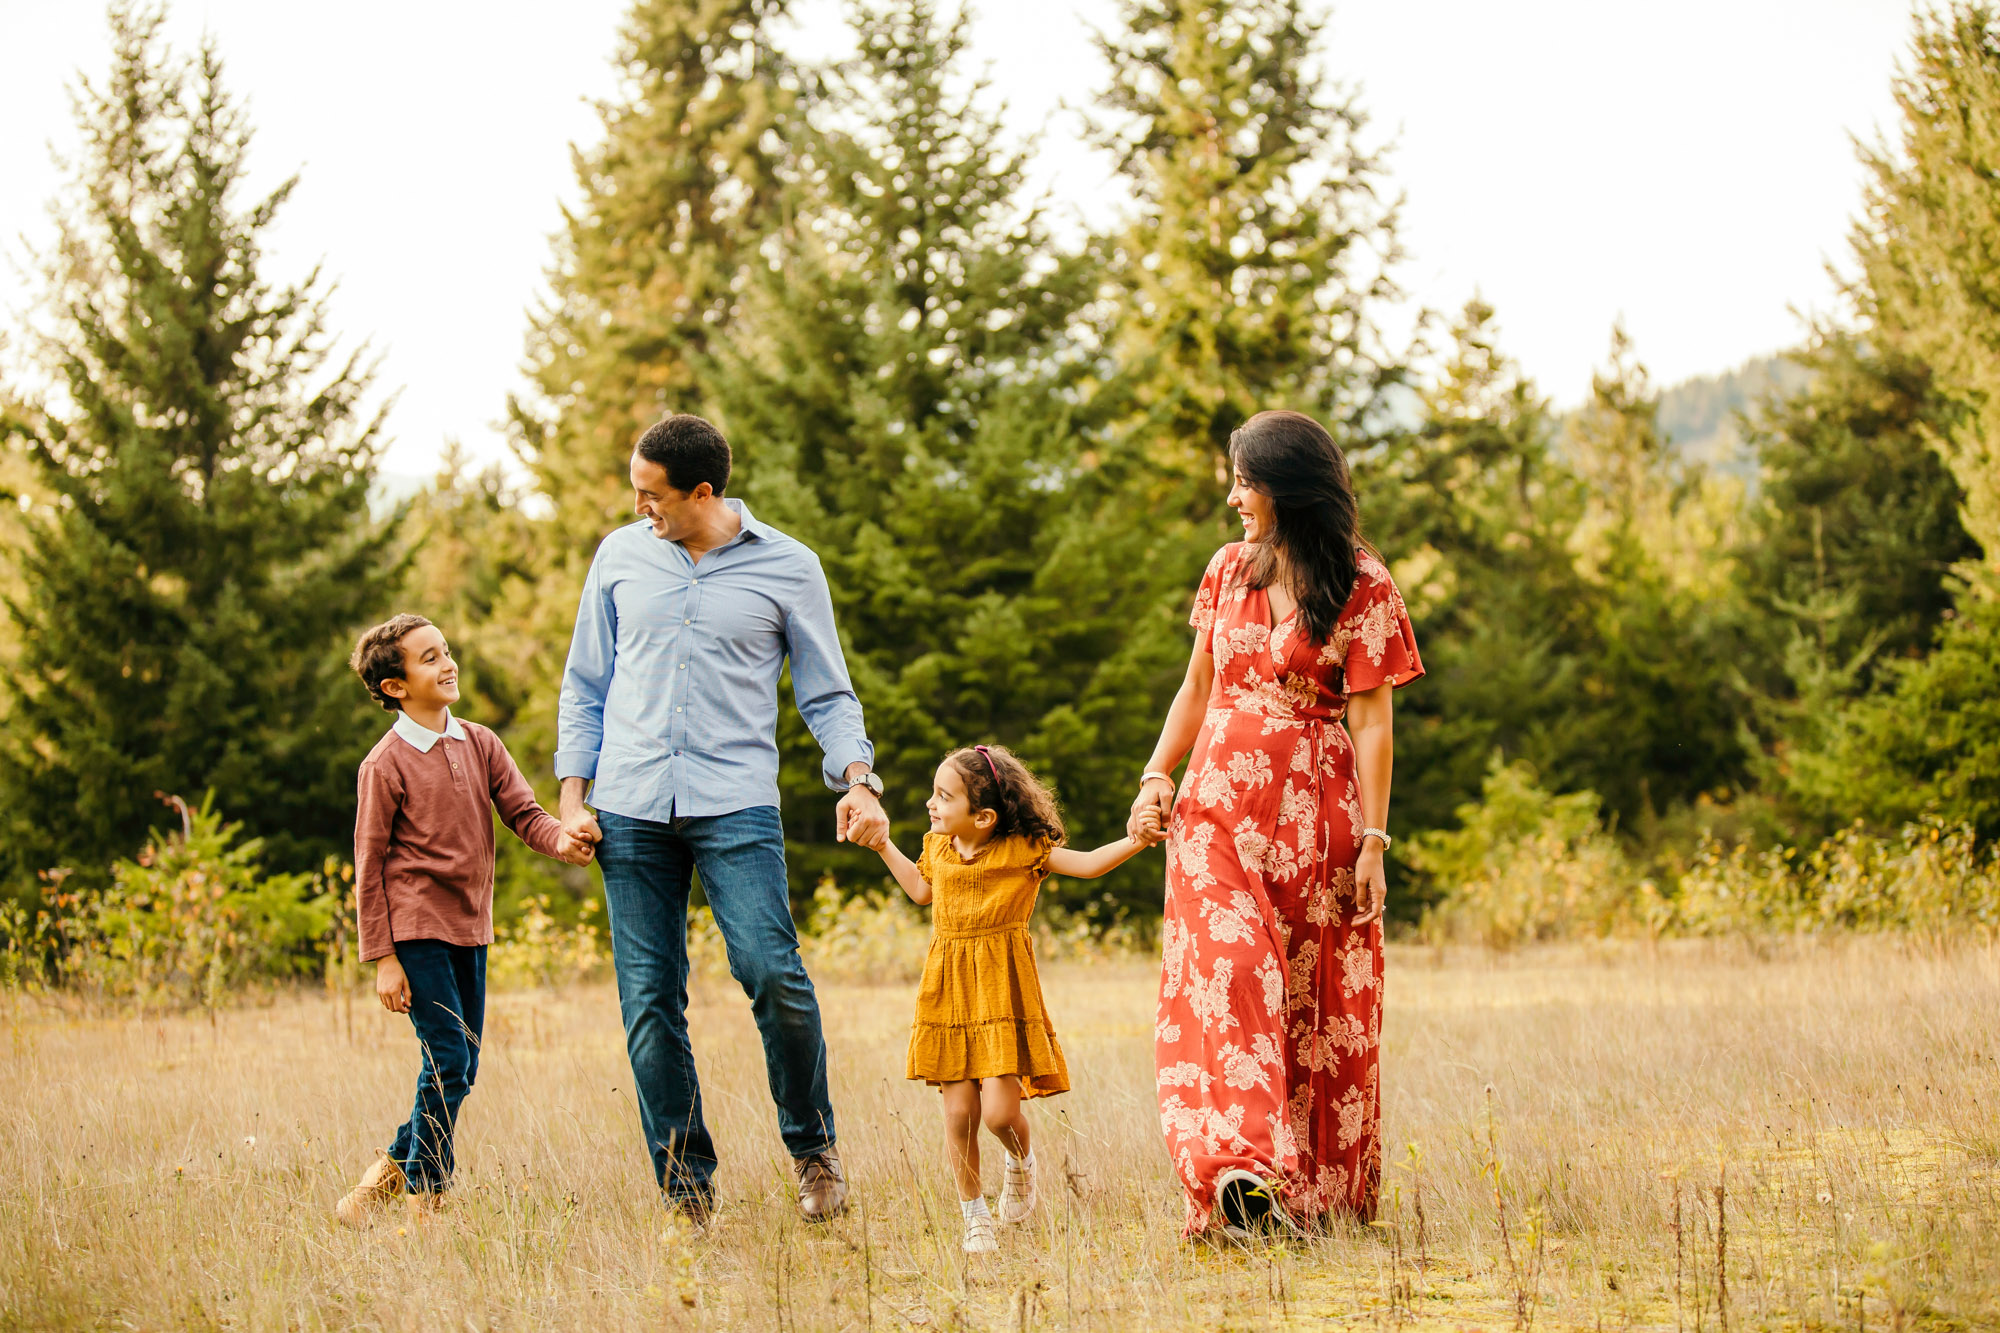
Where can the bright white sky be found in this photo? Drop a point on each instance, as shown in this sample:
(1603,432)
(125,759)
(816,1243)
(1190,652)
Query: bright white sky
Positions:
(1685,166)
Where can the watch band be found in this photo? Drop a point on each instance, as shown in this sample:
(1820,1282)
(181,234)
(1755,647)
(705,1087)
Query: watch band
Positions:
(1378,833)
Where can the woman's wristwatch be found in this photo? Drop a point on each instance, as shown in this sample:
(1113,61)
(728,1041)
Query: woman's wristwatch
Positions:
(1377,833)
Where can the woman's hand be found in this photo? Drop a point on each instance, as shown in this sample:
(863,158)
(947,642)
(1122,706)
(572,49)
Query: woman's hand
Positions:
(1371,886)
(1155,799)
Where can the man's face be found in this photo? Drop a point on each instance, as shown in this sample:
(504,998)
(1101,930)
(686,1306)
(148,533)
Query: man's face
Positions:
(672,513)
(430,677)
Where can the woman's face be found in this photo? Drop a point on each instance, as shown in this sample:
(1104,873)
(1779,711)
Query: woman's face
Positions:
(1259,514)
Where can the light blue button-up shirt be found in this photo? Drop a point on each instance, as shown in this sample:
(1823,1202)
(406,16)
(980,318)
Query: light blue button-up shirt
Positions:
(670,698)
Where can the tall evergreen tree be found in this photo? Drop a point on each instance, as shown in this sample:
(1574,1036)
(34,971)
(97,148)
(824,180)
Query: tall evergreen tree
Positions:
(1857,527)
(185,600)
(904,392)
(1929,244)
(1261,240)
(677,198)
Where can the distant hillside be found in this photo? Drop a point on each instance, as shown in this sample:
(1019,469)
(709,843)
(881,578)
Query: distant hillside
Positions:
(1699,414)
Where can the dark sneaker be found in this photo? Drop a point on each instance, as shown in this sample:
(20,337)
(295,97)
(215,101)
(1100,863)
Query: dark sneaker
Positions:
(1249,1204)
(822,1187)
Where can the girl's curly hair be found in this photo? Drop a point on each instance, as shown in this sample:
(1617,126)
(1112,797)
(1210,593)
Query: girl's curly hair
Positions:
(995,780)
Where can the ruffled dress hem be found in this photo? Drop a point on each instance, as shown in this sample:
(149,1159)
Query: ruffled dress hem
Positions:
(951,1053)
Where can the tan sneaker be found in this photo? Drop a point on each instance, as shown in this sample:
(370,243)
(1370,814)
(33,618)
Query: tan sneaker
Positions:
(381,1182)
(822,1187)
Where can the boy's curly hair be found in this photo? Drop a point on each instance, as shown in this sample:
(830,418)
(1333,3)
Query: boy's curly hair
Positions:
(378,655)
(995,780)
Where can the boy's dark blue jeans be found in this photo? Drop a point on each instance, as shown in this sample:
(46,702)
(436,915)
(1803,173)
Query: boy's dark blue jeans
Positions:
(648,868)
(448,1009)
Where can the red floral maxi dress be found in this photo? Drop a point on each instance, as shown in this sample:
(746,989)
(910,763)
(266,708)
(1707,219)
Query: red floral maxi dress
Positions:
(1269,1032)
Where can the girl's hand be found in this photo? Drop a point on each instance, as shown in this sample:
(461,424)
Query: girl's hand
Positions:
(392,985)
(1371,886)
(1149,832)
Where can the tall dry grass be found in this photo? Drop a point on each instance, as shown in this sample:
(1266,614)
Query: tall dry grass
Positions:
(1844,1097)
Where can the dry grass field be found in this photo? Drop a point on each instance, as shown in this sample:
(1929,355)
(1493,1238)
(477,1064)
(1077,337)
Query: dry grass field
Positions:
(1843,1098)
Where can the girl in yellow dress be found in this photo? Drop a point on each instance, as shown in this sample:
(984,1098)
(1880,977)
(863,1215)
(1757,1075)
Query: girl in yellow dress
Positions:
(982,1033)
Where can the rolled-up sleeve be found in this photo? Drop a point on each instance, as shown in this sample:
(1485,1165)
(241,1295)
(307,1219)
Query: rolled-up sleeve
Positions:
(820,682)
(586,679)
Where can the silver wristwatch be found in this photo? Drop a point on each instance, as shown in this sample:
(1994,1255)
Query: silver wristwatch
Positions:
(871,780)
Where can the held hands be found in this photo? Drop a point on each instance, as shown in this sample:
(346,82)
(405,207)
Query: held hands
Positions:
(861,820)
(577,849)
(1150,811)
(392,985)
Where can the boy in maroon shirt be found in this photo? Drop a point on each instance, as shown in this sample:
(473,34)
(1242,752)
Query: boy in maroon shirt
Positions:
(423,876)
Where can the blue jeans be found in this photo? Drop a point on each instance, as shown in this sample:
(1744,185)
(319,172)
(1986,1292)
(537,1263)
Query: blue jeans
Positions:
(648,868)
(448,1010)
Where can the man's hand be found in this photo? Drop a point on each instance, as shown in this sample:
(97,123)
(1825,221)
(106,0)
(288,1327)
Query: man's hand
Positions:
(574,849)
(578,820)
(860,818)
(392,985)
(1371,886)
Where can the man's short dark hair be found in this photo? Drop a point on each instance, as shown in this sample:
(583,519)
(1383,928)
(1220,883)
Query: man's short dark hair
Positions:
(379,656)
(690,449)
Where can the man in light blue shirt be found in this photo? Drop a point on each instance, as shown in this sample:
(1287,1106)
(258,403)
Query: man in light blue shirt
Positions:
(667,724)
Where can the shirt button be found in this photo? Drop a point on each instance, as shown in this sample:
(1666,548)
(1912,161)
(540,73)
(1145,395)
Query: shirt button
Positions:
(677,710)
(684,666)
(687,622)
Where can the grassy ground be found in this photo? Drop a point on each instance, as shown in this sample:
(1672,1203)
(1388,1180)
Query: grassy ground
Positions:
(1845,1099)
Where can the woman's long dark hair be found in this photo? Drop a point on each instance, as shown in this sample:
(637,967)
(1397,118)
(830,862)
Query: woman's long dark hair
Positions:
(1291,458)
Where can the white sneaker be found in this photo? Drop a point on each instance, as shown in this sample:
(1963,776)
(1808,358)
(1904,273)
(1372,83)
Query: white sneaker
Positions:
(1017,1194)
(980,1237)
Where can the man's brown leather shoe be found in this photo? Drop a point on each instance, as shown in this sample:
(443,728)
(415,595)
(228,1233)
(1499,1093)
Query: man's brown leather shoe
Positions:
(822,1188)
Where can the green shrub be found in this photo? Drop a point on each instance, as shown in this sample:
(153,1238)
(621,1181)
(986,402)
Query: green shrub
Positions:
(191,918)
(1930,879)
(1527,865)
(536,949)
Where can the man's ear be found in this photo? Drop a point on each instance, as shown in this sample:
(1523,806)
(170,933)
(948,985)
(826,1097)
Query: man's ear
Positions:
(702,492)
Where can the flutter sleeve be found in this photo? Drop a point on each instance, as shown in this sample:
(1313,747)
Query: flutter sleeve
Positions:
(1381,645)
(1208,598)
(927,859)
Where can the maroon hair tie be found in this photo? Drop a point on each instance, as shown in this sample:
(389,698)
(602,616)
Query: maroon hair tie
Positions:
(987,755)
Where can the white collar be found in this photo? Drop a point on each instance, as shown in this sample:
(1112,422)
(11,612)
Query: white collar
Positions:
(421,736)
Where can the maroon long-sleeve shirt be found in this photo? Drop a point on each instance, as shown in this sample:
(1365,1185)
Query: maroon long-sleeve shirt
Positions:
(423,833)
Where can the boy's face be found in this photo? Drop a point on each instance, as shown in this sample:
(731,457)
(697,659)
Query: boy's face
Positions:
(430,677)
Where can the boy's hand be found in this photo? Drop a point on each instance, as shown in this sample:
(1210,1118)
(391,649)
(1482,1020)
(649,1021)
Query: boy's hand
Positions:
(392,985)
(574,849)
(1147,830)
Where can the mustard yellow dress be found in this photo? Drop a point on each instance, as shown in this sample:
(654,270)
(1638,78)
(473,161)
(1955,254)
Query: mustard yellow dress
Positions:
(979,1011)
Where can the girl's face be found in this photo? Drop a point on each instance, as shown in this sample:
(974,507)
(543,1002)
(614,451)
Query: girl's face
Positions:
(1257,510)
(950,807)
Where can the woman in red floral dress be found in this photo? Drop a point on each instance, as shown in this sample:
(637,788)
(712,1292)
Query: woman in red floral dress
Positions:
(1269,1032)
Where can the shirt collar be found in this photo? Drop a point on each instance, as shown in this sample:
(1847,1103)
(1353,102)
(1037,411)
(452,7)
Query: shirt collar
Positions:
(421,736)
(752,526)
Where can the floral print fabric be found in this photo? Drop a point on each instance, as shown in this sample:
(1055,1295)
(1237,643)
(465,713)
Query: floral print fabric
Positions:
(1270,1018)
